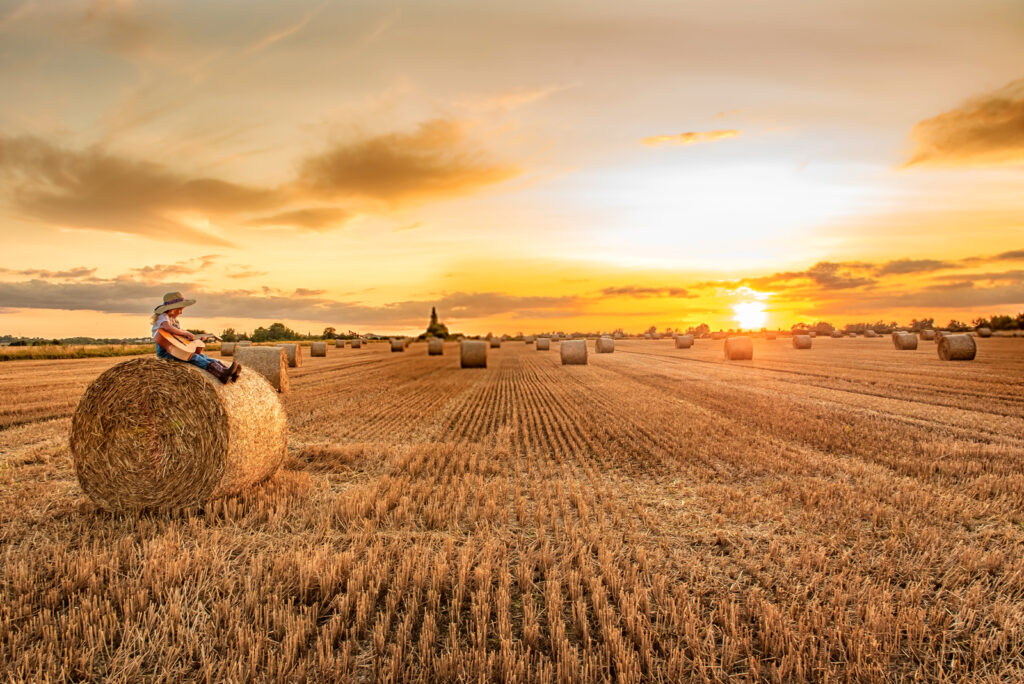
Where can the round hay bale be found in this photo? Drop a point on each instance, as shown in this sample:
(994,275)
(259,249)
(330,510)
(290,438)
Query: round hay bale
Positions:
(904,340)
(927,335)
(339,344)
(495,343)
(870,333)
(543,343)
(812,334)
(528,339)
(435,346)
(718,335)
(802,341)
(397,345)
(770,335)
(604,345)
(684,341)
(957,348)
(318,349)
(293,352)
(739,349)
(984,332)
(836,334)
(357,343)
(270,362)
(227,349)
(473,354)
(243,343)
(153,434)
(574,353)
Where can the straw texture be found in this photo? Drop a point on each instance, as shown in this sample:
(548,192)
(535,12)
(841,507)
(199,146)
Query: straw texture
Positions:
(904,340)
(227,349)
(293,352)
(604,345)
(802,341)
(684,341)
(153,434)
(739,349)
(318,349)
(957,348)
(574,353)
(435,346)
(270,362)
(473,354)
(543,343)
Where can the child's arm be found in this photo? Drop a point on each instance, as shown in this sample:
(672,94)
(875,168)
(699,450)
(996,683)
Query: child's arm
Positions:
(166,325)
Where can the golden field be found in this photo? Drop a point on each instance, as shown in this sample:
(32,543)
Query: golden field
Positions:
(845,513)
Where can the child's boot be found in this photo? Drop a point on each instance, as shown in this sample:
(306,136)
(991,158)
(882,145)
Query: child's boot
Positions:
(233,372)
(218,371)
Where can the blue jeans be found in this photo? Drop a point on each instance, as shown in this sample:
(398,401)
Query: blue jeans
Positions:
(201,360)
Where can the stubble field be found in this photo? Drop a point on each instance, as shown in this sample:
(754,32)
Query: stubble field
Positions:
(847,513)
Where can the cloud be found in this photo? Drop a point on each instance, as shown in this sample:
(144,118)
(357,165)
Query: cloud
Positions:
(244,271)
(691,137)
(1014,255)
(433,161)
(92,189)
(828,275)
(303,292)
(902,266)
(319,219)
(159,272)
(282,33)
(988,129)
(645,292)
(69,274)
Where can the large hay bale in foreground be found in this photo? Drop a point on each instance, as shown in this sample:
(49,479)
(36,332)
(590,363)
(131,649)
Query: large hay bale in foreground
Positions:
(684,341)
(574,353)
(604,345)
(435,346)
(984,332)
(957,348)
(357,343)
(293,352)
(473,354)
(543,343)
(154,434)
(227,348)
(495,343)
(904,340)
(927,335)
(397,345)
(802,341)
(270,362)
(318,349)
(739,349)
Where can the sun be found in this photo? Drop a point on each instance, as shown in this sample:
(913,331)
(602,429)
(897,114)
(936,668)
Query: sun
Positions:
(750,315)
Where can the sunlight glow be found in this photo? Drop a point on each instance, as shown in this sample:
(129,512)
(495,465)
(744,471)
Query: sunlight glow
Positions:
(750,315)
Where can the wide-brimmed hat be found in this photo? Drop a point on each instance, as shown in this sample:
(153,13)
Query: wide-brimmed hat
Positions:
(173,300)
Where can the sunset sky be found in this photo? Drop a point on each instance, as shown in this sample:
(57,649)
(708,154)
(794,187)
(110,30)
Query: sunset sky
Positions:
(526,166)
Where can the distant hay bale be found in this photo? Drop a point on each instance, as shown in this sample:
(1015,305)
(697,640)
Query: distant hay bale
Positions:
(243,343)
(227,349)
(270,362)
(293,352)
(684,341)
(407,342)
(927,335)
(870,333)
(957,348)
(435,346)
(802,341)
(739,349)
(339,344)
(495,343)
(770,335)
(543,343)
(812,334)
(604,345)
(718,335)
(904,340)
(984,332)
(853,334)
(153,434)
(357,343)
(528,339)
(397,345)
(836,334)
(318,349)
(473,354)
(574,353)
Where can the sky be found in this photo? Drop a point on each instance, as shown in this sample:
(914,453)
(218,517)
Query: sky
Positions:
(528,166)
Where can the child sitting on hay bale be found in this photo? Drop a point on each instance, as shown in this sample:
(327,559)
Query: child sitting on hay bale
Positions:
(165,317)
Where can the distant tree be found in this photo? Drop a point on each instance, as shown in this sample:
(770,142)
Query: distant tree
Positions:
(330,333)
(435,328)
(702,330)
(229,335)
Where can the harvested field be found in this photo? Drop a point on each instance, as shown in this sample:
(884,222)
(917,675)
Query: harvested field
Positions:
(854,514)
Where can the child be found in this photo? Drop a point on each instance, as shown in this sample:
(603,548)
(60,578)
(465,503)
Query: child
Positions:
(165,317)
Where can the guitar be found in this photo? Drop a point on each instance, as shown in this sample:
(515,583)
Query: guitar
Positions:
(179,347)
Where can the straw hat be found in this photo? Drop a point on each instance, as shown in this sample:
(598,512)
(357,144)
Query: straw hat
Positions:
(173,300)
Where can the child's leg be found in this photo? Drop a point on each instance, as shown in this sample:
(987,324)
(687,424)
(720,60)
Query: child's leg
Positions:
(201,360)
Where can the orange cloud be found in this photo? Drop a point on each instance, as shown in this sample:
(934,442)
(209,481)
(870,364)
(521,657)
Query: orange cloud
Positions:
(985,130)
(433,161)
(692,137)
(318,219)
